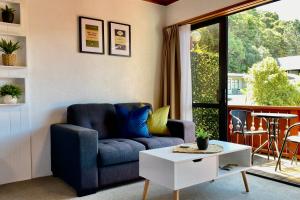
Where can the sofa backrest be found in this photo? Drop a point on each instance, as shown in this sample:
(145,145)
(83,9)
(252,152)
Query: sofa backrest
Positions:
(100,117)
(131,106)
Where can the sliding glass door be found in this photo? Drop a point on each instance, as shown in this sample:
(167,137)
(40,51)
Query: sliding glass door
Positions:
(209,76)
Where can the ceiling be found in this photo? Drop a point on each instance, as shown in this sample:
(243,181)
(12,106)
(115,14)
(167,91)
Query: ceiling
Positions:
(162,2)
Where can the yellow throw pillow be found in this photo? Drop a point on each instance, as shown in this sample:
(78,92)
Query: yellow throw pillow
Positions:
(157,122)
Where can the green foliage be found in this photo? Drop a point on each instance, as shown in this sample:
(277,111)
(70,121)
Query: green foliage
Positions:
(8,10)
(201,133)
(205,70)
(13,90)
(253,36)
(260,34)
(208,118)
(9,47)
(209,41)
(269,85)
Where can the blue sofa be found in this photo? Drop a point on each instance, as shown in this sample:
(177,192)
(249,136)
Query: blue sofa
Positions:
(88,154)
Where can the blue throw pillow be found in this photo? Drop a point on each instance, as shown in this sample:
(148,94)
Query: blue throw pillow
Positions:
(132,124)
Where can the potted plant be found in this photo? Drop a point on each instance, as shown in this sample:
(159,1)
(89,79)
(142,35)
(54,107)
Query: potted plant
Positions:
(202,139)
(8,14)
(8,48)
(10,93)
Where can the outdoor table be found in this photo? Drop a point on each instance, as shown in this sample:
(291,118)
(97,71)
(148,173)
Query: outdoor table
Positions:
(272,120)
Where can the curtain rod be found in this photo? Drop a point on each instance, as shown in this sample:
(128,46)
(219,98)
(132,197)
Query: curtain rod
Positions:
(224,11)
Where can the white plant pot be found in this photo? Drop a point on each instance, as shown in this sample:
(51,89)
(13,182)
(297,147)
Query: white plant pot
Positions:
(8,99)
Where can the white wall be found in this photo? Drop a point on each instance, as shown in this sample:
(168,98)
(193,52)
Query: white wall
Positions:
(187,9)
(60,76)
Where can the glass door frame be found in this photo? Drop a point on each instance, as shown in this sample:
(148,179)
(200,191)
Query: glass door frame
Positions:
(223,74)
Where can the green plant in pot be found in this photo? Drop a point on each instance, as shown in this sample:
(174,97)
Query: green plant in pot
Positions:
(8,48)
(202,138)
(8,14)
(10,93)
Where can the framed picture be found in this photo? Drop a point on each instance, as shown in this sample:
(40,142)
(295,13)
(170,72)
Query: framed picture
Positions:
(91,35)
(119,39)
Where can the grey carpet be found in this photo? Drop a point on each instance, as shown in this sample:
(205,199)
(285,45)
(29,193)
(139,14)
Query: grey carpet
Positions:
(230,188)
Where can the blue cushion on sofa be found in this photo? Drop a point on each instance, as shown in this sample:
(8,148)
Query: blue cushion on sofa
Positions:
(132,123)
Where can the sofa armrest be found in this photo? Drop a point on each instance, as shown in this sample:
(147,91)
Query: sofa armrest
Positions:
(74,156)
(182,129)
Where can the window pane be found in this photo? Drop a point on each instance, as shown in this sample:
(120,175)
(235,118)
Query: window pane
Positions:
(205,64)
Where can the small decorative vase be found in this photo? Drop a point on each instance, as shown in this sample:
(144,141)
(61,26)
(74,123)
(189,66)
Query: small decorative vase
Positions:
(8,99)
(8,17)
(9,59)
(202,143)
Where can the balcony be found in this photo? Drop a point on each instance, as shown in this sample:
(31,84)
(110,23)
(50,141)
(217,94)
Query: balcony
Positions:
(256,141)
(263,167)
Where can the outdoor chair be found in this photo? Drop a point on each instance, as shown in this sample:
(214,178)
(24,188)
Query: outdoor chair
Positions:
(241,126)
(291,139)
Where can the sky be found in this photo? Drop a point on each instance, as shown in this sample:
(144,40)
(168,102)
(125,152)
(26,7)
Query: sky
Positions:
(286,9)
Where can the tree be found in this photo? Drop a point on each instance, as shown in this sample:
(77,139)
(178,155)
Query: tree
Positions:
(291,37)
(237,54)
(209,40)
(245,33)
(255,35)
(268,84)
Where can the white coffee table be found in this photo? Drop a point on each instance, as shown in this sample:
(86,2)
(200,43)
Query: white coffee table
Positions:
(179,170)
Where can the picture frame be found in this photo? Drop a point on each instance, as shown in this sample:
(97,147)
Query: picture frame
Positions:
(91,35)
(119,35)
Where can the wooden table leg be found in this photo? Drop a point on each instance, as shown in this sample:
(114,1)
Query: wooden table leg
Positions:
(146,189)
(176,195)
(245,181)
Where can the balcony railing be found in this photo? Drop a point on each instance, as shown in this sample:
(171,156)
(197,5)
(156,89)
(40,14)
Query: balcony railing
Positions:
(257,140)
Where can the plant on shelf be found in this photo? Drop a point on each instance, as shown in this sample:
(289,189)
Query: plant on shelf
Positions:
(202,138)
(10,93)
(8,14)
(8,48)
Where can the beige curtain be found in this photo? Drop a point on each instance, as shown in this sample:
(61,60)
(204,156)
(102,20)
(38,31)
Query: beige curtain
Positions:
(171,71)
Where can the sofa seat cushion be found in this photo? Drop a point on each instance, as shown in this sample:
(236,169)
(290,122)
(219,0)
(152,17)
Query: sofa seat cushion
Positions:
(116,151)
(159,142)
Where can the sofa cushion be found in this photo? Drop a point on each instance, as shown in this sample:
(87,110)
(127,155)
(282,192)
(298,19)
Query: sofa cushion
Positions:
(159,142)
(116,151)
(157,122)
(132,123)
(100,117)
